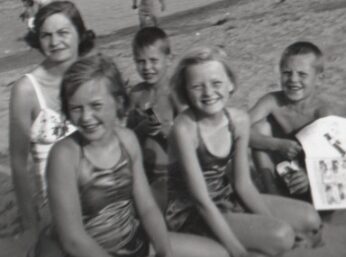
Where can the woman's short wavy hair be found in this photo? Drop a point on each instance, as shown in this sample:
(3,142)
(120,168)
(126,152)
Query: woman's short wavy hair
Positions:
(86,37)
(94,67)
(196,56)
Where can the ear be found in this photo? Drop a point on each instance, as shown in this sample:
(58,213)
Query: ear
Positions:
(231,88)
(169,59)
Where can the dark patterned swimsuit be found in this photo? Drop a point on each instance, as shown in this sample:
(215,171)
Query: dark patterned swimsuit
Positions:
(109,214)
(108,208)
(182,214)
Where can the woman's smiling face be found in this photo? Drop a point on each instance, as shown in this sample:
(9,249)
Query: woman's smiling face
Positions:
(59,38)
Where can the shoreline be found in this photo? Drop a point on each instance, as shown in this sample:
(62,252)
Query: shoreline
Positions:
(26,57)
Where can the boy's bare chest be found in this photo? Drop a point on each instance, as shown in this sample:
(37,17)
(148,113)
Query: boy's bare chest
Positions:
(291,120)
(161,104)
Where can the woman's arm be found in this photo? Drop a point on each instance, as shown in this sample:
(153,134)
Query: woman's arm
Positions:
(186,153)
(65,204)
(242,179)
(148,210)
(21,112)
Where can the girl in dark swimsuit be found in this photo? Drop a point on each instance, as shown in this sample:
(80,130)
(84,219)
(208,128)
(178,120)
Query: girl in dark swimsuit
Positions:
(211,191)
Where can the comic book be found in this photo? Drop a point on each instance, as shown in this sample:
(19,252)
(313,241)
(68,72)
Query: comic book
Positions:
(324,144)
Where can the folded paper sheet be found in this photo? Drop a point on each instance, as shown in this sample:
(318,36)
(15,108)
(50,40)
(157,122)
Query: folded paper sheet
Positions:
(324,144)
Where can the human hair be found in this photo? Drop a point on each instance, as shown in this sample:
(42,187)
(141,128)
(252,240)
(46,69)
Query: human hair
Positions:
(148,36)
(196,56)
(94,67)
(303,48)
(86,37)
(28,2)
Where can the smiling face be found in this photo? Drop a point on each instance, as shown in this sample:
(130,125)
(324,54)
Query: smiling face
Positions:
(299,77)
(152,63)
(92,109)
(59,39)
(208,87)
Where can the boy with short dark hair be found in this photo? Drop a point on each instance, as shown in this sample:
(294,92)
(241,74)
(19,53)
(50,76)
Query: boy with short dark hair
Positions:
(152,105)
(278,116)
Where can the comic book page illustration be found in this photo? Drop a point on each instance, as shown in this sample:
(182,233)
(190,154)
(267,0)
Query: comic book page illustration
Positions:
(324,144)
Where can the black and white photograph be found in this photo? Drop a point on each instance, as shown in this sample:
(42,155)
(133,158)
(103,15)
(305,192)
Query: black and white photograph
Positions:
(172,128)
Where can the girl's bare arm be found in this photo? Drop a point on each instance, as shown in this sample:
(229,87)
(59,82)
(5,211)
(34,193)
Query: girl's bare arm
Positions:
(242,179)
(148,210)
(65,204)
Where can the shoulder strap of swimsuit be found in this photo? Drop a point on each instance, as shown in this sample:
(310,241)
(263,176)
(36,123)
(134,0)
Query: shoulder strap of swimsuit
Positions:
(231,128)
(199,135)
(230,123)
(38,90)
(124,151)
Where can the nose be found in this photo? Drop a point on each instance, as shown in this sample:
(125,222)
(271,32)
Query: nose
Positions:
(294,77)
(147,65)
(86,115)
(54,40)
(207,89)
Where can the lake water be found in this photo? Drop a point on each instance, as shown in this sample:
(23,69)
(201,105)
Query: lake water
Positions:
(103,16)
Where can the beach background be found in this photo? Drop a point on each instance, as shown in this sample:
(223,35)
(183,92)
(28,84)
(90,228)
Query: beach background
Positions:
(253,32)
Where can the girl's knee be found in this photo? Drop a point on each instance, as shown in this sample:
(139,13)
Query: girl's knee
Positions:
(282,239)
(221,252)
(314,227)
(312,221)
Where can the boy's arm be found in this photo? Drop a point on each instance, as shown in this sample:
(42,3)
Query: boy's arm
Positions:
(327,109)
(263,140)
(263,108)
(259,113)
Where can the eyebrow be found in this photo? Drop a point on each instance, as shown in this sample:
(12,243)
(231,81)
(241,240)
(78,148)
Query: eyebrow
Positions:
(59,29)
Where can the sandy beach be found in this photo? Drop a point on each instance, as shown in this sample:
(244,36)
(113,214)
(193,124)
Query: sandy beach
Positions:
(253,32)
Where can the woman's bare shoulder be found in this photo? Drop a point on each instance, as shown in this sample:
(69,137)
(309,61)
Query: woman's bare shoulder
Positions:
(23,87)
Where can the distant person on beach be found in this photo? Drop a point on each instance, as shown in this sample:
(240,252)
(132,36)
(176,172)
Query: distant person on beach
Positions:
(210,189)
(152,105)
(31,7)
(147,12)
(99,195)
(35,116)
(278,116)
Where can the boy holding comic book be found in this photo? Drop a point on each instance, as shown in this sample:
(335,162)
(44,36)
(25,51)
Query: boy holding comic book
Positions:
(278,116)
